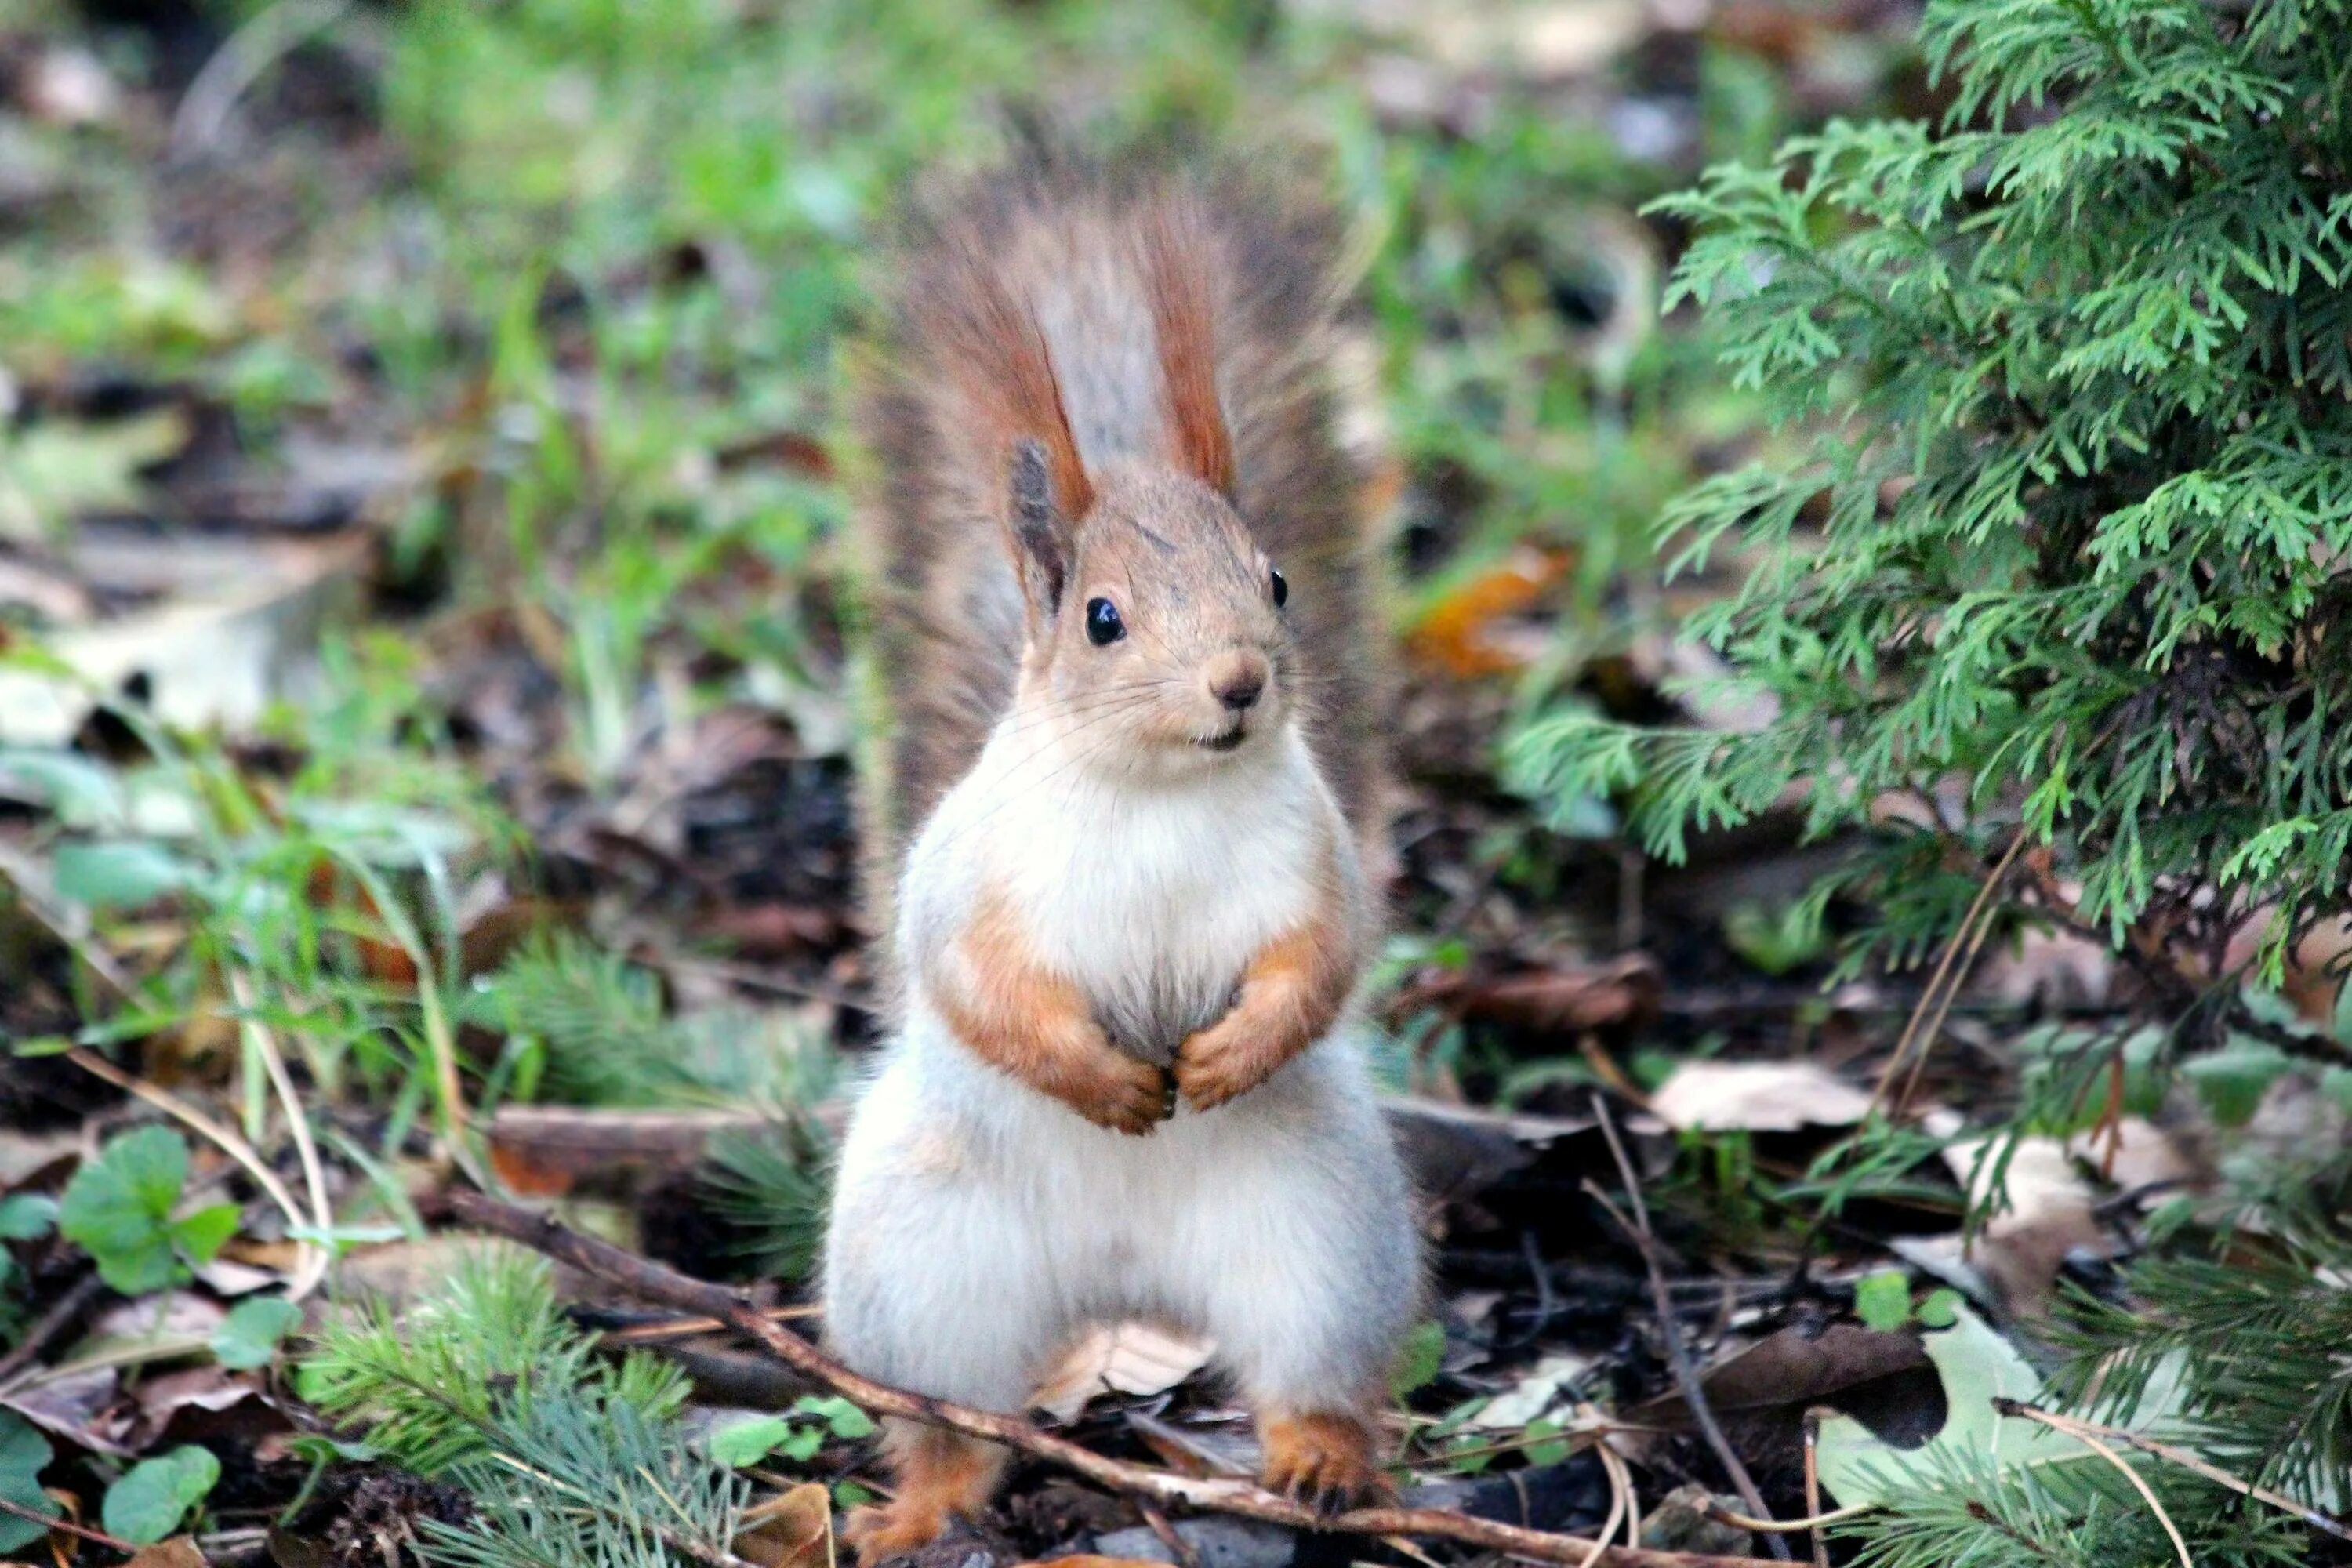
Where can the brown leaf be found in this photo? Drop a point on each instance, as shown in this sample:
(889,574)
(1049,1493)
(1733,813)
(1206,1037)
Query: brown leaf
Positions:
(1122,1358)
(1566,1000)
(546,1149)
(794,1531)
(180,1552)
(1884,1379)
(1461,632)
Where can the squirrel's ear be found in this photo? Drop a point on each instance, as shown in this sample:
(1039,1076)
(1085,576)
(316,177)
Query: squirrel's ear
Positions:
(1040,533)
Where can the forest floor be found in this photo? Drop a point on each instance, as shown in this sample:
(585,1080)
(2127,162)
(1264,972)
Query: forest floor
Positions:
(427,757)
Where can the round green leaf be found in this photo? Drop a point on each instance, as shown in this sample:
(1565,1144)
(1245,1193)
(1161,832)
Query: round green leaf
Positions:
(27,1216)
(119,1208)
(1422,1357)
(148,1503)
(24,1453)
(749,1442)
(248,1337)
(1883,1301)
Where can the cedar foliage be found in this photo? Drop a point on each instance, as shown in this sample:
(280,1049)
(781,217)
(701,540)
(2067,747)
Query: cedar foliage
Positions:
(2062,513)
(2069,381)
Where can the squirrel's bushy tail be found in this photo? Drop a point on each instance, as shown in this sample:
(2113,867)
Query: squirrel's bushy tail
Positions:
(1112,313)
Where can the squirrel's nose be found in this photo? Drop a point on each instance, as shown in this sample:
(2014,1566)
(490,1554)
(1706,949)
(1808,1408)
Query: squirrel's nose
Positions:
(1238,678)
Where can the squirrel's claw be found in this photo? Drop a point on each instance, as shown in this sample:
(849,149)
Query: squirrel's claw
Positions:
(1325,1461)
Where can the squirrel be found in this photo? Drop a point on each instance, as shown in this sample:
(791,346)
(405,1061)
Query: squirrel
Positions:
(1121,620)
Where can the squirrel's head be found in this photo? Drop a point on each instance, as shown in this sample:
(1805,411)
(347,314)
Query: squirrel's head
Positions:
(1156,624)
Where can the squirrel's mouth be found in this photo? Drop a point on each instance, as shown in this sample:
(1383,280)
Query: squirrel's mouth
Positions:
(1226,742)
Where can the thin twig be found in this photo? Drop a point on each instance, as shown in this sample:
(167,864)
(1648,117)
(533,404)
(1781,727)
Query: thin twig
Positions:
(1678,1354)
(1183,1551)
(745,1311)
(1813,1489)
(54,1523)
(1944,986)
(686,1328)
(270,37)
(53,1322)
(2075,1426)
(2139,1482)
(1790,1526)
(172,1105)
(1621,1490)
(35,898)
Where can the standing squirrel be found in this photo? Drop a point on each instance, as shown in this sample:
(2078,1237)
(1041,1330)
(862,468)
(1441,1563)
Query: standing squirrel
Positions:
(1121,621)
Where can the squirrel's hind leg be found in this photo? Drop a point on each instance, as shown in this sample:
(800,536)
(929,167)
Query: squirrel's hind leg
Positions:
(940,1474)
(1301,1248)
(1328,1459)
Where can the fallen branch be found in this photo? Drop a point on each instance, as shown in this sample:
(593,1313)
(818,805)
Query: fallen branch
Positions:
(746,1311)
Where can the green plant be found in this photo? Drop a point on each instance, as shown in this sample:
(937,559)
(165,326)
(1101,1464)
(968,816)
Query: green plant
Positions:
(2072,379)
(432,1380)
(124,1207)
(569,1459)
(2067,382)
(154,1495)
(23,1454)
(796,1434)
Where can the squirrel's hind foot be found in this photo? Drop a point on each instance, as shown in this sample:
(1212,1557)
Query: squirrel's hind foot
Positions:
(1329,1461)
(940,1474)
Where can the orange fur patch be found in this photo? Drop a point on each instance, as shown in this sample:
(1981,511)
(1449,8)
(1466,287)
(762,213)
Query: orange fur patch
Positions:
(1291,994)
(1183,326)
(1328,1459)
(1016,1014)
(938,1476)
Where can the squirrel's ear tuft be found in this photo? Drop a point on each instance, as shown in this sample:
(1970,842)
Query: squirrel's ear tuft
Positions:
(1040,533)
(1182,323)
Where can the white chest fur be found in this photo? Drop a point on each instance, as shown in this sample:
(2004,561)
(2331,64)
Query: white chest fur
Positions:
(1152,899)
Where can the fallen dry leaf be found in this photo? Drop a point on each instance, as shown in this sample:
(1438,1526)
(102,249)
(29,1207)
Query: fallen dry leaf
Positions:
(2050,1208)
(1461,632)
(1756,1097)
(180,1552)
(1566,1000)
(1122,1358)
(1884,1379)
(794,1531)
(1540,1388)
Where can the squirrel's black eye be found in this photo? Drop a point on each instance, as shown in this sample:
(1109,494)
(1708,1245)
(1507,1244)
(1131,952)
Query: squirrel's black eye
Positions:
(1103,624)
(1281,589)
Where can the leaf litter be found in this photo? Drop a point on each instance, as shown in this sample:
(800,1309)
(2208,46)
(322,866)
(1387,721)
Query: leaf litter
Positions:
(224,510)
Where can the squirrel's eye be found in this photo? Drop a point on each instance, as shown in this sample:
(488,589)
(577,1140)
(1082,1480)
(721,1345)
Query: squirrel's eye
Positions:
(1281,589)
(1103,624)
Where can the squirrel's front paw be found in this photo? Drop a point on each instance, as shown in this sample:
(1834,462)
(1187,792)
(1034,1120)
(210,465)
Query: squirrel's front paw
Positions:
(1223,1062)
(1113,1089)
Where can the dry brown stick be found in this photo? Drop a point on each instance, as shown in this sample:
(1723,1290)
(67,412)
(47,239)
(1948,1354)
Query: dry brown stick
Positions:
(1678,1354)
(1944,986)
(686,1328)
(746,1312)
(68,1526)
(2075,1426)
